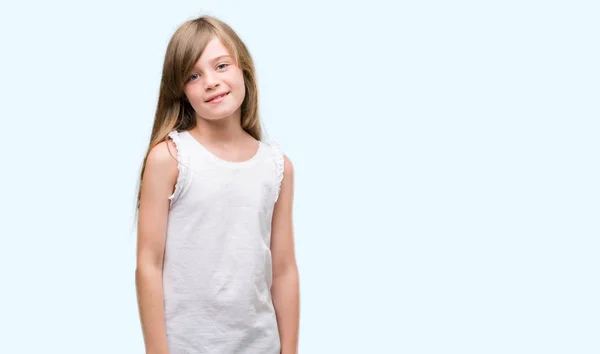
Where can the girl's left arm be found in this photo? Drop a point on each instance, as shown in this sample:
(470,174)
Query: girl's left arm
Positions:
(286,289)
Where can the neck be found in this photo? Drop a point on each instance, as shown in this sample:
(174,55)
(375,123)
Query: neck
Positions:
(225,130)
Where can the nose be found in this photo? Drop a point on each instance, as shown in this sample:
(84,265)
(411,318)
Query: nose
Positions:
(210,81)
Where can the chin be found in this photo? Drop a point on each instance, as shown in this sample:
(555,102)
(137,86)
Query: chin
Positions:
(214,116)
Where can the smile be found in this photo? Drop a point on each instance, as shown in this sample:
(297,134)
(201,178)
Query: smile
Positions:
(218,98)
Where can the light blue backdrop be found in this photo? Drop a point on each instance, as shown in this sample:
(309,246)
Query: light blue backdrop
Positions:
(446,153)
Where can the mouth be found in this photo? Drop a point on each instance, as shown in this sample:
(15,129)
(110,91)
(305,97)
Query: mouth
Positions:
(217,98)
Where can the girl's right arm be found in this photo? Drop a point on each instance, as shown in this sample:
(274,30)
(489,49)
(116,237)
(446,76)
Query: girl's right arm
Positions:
(158,181)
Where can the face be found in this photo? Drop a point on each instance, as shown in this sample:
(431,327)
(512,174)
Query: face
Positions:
(215,74)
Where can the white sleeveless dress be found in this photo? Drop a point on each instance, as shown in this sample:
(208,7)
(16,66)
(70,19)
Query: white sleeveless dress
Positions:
(217,270)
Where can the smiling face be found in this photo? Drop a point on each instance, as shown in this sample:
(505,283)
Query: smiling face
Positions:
(215,75)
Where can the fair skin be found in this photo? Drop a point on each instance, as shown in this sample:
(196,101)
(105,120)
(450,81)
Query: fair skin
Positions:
(218,125)
(158,183)
(285,289)
(219,130)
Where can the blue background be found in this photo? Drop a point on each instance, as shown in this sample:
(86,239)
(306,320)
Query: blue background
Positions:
(446,156)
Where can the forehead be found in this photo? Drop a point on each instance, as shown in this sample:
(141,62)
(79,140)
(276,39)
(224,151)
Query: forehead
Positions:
(213,50)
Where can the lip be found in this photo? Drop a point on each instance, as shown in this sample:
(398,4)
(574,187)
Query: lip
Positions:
(217,95)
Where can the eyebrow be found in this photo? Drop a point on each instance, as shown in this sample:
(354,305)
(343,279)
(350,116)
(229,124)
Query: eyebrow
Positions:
(220,57)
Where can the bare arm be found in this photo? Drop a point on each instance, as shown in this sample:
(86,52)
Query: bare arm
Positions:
(160,176)
(286,289)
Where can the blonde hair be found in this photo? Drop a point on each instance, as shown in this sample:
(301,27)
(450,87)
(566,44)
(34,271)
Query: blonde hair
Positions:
(183,51)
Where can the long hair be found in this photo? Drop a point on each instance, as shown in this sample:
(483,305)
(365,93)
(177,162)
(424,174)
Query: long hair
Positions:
(183,51)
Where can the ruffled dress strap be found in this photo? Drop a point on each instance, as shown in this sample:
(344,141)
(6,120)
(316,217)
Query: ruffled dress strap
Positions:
(279,161)
(181,166)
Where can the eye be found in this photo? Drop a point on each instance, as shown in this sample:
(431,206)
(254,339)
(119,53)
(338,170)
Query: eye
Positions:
(222,65)
(192,77)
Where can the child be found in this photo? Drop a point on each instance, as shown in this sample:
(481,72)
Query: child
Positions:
(216,270)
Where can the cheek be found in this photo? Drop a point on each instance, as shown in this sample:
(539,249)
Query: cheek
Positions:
(239,87)
(194,97)
(236,80)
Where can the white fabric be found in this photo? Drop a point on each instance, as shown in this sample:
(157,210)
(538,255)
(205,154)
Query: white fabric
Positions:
(217,271)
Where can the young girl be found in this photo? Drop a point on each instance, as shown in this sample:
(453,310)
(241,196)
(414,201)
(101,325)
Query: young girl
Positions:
(216,270)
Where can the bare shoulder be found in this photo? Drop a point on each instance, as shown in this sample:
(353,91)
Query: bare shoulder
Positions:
(288,167)
(161,164)
(163,155)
